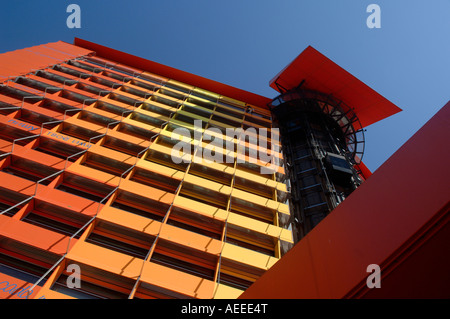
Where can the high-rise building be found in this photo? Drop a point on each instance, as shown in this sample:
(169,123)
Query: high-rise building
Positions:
(138,177)
(90,179)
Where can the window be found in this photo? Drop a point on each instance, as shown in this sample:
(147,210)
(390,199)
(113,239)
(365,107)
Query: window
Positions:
(6,108)
(56,77)
(204,95)
(97,119)
(125,70)
(139,93)
(157,109)
(105,82)
(31,116)
(59,214)
(251,239)
(253,214)
(176,87)
(77,97)
(185,259)
(112,108)
(122,146)
(59,225)
(252,210)
(22,269)
(78,192)
(4,205)
(144,85)
(26,257)
(167,101)
(234,282)
(26,175)
(125,99)
(92,89)
(190,220)
(95,284)
(85,66)
(200,102)
(137,211)
(147,291)
(188,119)
(151,120)
(118,245)
(38,85)
(9,198)
(172,93)
(206,113)
(107,165)
(102,63)
(204,195)
(153,179)
(135,131)
(238,275)
(226,121)
(232,106)
(230,112)
(153,79)
(57,106)
(58,149)
(257,121)
(73,72)
(116,76)
(21,95)
(80,132)
(190,227)
(209,173)
(143,206)
(253,187)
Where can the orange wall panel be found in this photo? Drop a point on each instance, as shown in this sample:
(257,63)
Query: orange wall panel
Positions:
(26,60)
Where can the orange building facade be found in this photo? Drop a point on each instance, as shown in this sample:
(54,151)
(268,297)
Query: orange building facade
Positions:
(88,179)
(90,184)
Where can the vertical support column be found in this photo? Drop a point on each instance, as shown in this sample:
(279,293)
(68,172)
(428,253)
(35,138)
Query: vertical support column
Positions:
(321,172)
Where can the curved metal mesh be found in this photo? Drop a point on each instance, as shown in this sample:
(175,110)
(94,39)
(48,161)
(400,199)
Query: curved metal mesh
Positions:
(341,113)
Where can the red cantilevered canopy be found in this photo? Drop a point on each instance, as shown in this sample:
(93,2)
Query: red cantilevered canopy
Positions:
(319,73)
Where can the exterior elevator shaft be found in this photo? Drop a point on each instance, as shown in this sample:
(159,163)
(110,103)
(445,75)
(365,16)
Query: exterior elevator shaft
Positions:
(320,141)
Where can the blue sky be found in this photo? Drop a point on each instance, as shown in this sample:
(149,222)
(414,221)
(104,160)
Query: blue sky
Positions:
(244,43)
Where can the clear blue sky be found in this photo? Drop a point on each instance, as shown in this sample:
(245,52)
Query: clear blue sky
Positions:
(244,43)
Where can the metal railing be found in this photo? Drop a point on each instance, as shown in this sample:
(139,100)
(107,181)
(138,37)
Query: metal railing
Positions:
(98,207)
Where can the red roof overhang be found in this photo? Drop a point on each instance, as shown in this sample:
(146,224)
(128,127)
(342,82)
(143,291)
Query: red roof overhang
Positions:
(321,74)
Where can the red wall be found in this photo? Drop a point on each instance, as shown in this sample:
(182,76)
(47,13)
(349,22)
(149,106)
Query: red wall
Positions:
(398,219)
